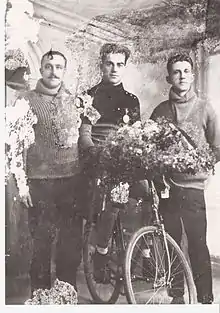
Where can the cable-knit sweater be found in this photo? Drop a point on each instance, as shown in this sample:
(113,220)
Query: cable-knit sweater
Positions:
(46,159)
(191,112)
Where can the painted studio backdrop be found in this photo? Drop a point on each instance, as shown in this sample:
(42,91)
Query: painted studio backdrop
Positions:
(152,29)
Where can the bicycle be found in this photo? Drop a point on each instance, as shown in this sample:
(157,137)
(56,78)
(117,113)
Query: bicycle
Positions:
(167,270)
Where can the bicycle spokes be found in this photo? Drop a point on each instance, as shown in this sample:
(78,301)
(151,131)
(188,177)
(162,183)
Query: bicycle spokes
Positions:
(155,271)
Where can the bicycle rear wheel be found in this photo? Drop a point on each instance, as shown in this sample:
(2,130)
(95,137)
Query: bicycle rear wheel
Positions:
(102,293)
(156,281)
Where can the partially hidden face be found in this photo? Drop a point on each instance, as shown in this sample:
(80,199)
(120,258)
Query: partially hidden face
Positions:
(53,70)
(181,76)
(113,68)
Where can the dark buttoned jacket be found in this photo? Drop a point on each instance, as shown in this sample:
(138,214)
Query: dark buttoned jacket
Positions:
(113,103)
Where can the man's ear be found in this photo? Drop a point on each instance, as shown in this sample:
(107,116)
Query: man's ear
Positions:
(168,79)
(40,69)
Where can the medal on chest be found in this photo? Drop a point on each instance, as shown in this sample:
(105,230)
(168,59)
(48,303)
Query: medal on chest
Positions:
(126,117)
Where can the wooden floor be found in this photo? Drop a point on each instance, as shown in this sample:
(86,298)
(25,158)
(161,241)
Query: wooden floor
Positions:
(22,292)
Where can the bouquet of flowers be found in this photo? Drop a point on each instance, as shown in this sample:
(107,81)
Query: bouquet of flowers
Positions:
(142,151)
(60,293)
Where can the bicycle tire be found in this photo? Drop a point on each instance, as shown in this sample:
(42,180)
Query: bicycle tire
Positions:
(100,293)
(157,286)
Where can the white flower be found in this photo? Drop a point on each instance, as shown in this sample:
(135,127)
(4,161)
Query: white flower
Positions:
(201,29)
(120,193)
(150,128)
(137,124)
(138,151)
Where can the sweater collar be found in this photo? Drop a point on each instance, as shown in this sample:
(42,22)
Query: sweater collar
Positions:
(182,107)
(106,86)
(41,88)
(174,97)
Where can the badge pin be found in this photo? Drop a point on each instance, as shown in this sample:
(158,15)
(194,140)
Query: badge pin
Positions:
(126,118)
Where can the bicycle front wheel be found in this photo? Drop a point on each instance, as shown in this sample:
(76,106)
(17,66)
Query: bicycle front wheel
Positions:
(153,275)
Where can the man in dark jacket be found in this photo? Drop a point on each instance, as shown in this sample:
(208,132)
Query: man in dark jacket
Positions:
(186,195)
(116,107)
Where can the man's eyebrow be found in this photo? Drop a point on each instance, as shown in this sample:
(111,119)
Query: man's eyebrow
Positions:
(57,64)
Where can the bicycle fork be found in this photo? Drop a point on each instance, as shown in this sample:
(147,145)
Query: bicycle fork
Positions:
(158,219)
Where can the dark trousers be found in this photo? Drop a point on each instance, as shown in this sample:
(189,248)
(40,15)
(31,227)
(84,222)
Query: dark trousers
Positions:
(109,215)
(54,212)
(188,205)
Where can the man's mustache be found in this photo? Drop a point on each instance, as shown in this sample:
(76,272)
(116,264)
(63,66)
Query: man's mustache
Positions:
(53,76)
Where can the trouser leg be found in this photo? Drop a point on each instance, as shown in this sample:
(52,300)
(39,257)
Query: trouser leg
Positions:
(106,225)
(195,225)
(69,249)
(108,217)
(189,204)
(41,219)
(69,243)
(40,265)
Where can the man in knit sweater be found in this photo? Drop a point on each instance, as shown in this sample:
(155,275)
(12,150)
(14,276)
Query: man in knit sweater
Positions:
(52,171)
(116,107)
(186,196)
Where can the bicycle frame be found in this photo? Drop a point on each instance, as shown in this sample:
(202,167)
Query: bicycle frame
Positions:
(159,223)
(118,231)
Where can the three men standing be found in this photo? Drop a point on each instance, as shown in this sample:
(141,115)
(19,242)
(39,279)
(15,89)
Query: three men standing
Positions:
(53,170)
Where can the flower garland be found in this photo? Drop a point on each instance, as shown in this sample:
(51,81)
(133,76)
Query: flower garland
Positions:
(19,135)
(65,120)
(85,108)
(60,293)
(67,115)
(143,151)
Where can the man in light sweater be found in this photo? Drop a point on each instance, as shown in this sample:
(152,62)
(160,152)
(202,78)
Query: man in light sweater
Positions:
(52,171)
(186,201)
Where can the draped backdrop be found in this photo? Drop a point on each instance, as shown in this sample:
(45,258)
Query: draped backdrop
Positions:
(152,29)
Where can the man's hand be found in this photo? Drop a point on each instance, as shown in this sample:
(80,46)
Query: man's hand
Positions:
(93,153)
(26,200)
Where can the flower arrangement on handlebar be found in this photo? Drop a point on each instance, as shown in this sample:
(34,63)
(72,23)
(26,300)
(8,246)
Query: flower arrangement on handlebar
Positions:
(145,150)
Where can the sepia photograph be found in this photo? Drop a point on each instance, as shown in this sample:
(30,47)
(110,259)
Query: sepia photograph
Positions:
(112,153)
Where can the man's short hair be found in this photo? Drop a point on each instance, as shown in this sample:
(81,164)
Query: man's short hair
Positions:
(114,48)
(178,58)
(49,54)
